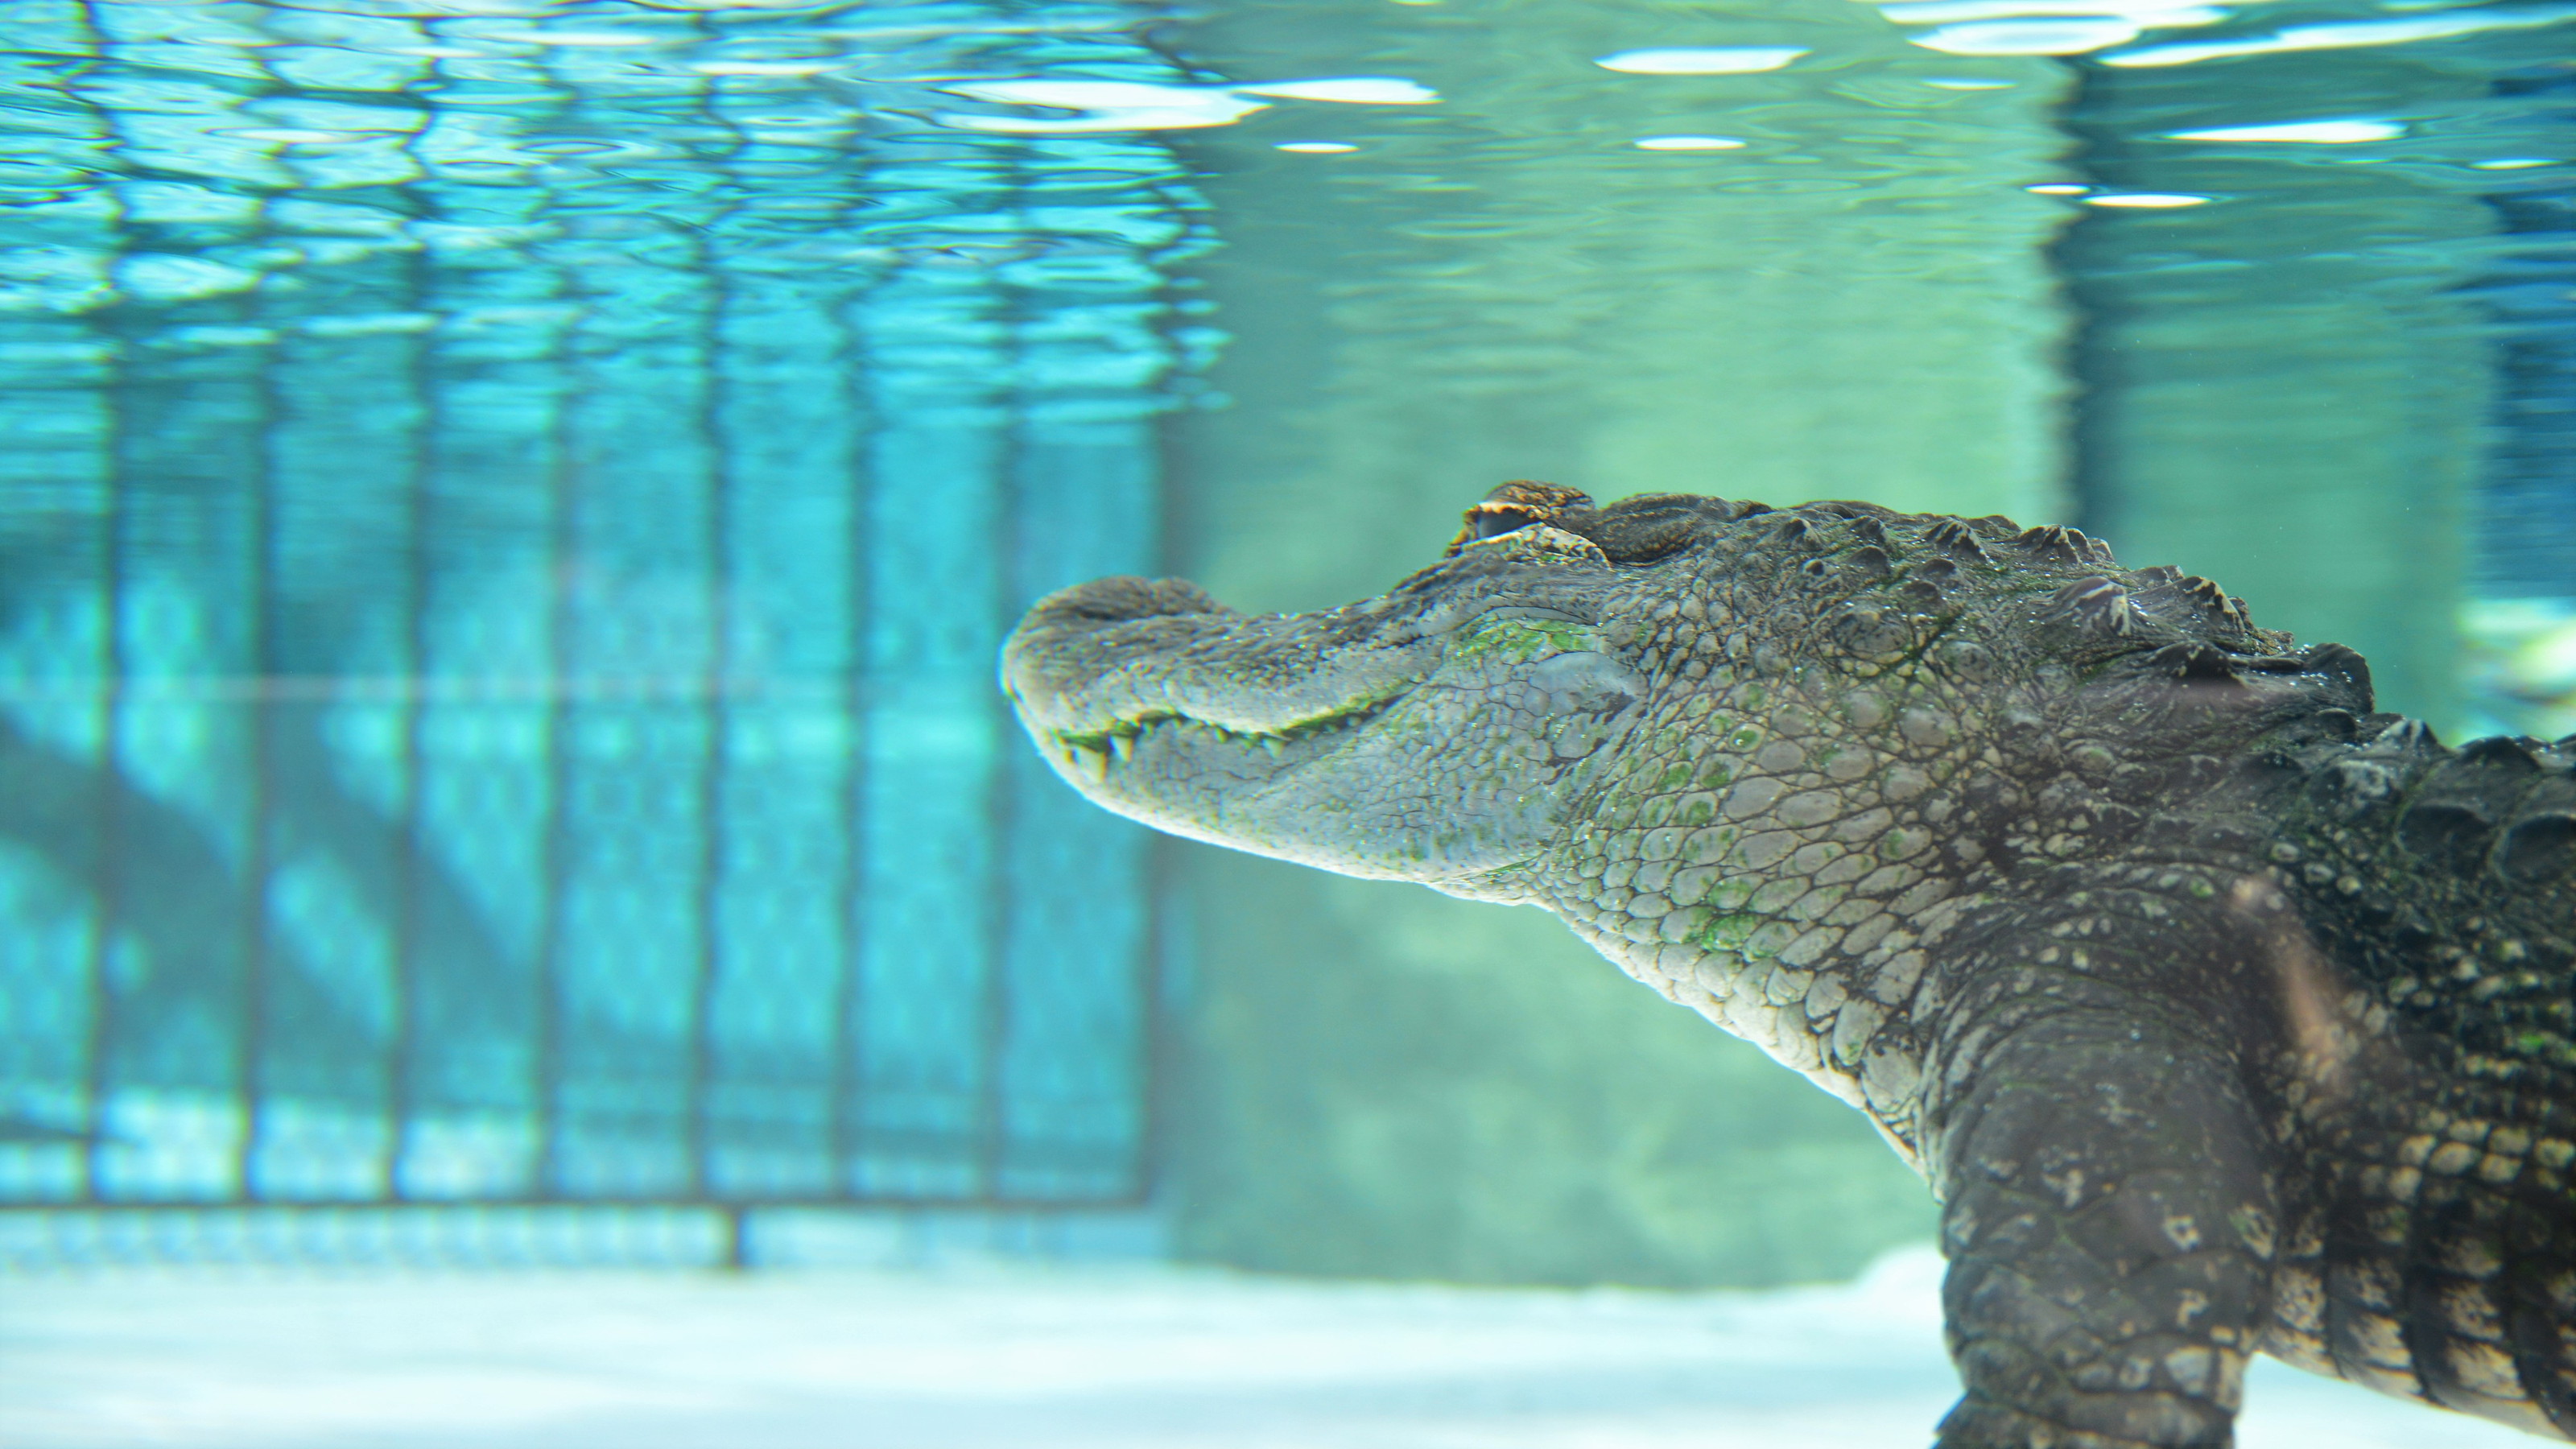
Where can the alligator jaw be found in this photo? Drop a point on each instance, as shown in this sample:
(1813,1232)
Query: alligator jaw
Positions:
(1433,735)
(1159,703)
(1090,757)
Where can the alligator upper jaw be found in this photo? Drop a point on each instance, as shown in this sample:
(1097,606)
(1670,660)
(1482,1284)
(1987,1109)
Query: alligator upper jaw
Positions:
(1104,670)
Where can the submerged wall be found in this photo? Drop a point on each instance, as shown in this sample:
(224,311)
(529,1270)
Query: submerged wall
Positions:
(1375,1079)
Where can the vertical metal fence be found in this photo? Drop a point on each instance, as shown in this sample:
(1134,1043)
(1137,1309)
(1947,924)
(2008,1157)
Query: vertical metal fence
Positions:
(504,526)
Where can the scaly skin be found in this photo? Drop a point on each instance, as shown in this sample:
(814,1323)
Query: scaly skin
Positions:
(2222,1014)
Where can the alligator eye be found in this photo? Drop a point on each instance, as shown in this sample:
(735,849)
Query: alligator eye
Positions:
(1515,506)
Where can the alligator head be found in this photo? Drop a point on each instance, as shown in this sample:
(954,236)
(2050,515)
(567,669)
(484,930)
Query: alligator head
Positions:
(1568,670)
(1443,732)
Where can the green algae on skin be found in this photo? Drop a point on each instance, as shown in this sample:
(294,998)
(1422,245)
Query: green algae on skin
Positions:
(1521,640)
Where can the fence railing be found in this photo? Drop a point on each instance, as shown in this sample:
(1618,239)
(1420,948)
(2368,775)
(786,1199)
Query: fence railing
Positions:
(501,555)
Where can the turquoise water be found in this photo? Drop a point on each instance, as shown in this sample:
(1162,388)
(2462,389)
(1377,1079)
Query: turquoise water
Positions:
(510,514)
(508,508)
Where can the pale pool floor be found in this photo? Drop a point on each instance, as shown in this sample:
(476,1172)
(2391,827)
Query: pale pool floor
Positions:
(1009,1357)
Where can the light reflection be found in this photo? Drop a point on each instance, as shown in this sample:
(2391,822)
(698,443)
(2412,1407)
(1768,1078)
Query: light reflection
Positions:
(601,38)
(2147,200)
(1689,143)
(1716,60)
(2437,25)
(1107,106)
(287,137)
(2042,27)
(1137,106)
(2028,37)
(2313,133)
(1365,90)
(760,67)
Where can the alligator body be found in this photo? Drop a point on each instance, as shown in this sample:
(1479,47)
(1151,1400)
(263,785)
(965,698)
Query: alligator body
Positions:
(2222,1014)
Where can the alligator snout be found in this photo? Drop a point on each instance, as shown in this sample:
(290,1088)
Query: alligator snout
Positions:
(1115,655)
(1121,600)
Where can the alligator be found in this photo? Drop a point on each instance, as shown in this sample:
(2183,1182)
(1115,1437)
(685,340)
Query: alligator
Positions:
(2222,1014)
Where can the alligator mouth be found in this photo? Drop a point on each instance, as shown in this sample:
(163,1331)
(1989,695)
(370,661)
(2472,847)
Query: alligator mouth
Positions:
(1094,754)
(1154,689)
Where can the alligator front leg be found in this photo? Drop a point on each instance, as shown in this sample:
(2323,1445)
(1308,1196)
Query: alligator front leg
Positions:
(2108,1223)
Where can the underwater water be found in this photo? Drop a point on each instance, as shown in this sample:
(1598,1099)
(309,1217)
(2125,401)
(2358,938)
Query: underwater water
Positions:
(507,509)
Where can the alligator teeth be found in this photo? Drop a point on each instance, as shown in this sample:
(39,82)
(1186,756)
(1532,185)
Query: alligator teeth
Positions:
(1273,746)
(1087,762)
(1123,746)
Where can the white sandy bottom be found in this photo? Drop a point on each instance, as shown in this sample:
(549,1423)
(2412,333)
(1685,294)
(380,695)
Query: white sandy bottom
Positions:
(1012,1358)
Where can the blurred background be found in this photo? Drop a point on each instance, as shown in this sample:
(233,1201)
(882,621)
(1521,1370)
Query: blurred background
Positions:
(507,510)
